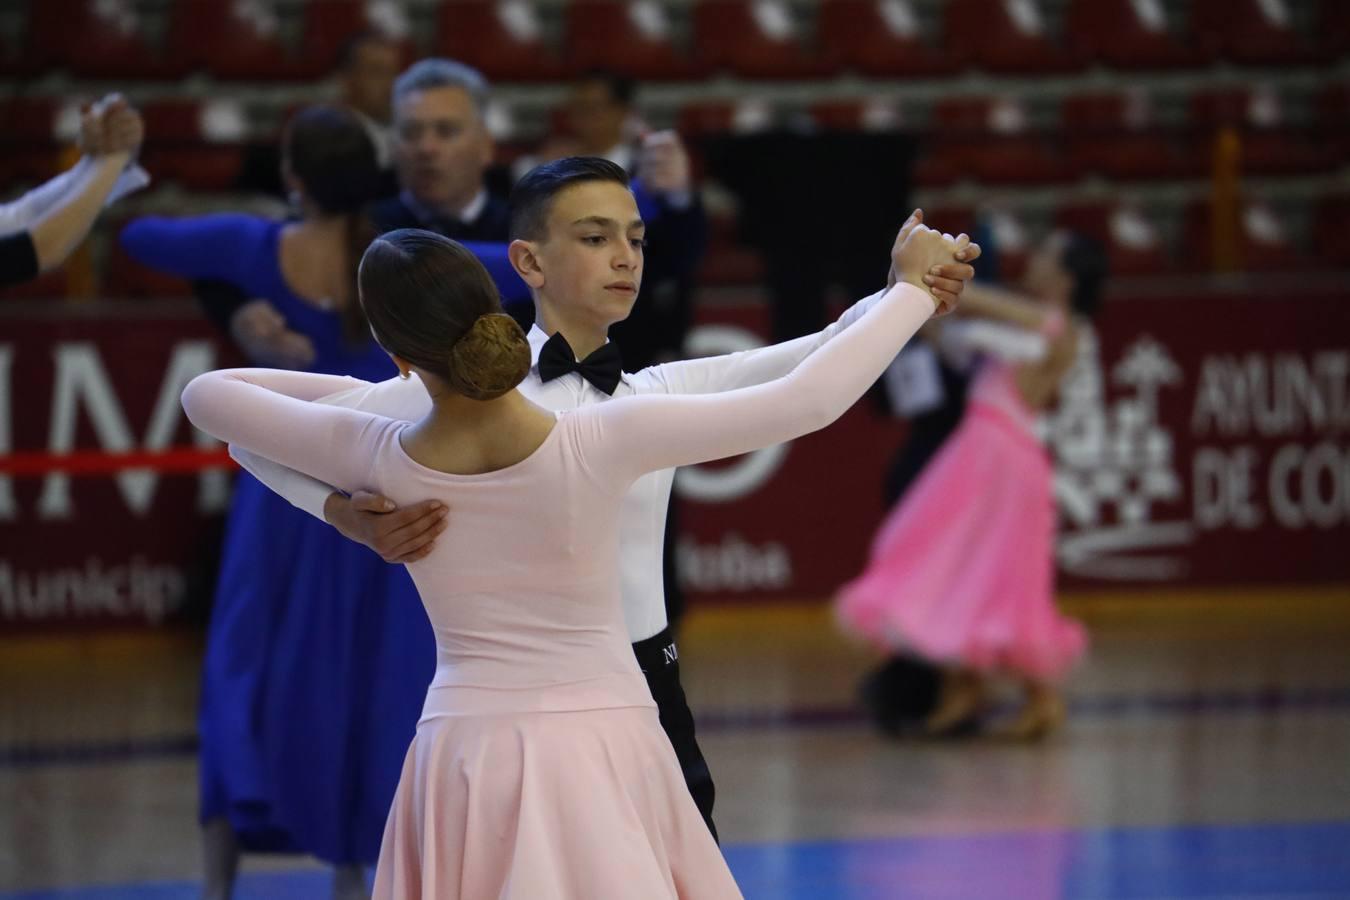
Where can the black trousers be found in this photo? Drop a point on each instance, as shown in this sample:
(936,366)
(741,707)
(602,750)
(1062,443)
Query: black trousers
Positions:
(660,662)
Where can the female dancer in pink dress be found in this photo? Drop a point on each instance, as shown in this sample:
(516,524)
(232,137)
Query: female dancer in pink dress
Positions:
(961,573)
(539,767)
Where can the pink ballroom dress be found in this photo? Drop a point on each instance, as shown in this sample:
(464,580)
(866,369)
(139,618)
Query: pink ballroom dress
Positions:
(961,572)
(539,768)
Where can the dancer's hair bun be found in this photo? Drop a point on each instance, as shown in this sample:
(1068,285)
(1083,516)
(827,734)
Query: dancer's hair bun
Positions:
(490,359)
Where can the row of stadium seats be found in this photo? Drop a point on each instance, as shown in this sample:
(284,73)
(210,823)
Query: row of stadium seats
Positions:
(1142,241)
(527,40)
(995,140)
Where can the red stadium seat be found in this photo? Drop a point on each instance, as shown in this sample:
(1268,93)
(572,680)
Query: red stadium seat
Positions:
(1116,135)
(881,39)
(950,219)
(993,34)
(329,24)
(1270,145)
(1246,31)
(878,114)
(727,260)
(719,117)
(1131,238)
(505,41)
(31,148)
(1333,29)
(1264,245)
(29,120)
(1120,34)
(990,140)
(760,40)
(90,39)
(632,38)
(1331,230)
(197,145)
(230,41)
(1333,119)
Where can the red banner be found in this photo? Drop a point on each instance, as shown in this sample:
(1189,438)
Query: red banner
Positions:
(1202,440)
(80,546)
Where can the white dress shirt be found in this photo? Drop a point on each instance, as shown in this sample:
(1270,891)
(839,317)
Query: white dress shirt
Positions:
(643,518)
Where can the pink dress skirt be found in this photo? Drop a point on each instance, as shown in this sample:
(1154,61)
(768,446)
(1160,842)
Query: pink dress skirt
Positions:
(961,572)
(570,805)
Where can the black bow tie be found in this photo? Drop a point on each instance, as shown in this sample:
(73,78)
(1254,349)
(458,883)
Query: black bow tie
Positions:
(602,368)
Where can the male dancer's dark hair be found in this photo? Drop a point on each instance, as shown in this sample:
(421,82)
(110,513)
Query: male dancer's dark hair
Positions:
(532,197)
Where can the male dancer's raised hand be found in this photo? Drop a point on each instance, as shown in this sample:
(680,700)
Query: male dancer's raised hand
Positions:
(944,281)
(918,251)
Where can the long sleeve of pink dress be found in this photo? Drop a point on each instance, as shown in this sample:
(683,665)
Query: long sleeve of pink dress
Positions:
(539,767)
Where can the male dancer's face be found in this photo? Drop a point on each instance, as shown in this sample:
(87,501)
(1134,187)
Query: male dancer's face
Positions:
(590,258)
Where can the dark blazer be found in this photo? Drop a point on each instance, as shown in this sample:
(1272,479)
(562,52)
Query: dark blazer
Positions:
(491,225)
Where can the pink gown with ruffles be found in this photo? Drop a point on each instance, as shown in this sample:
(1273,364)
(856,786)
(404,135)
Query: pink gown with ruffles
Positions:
(539,769)
(962,570)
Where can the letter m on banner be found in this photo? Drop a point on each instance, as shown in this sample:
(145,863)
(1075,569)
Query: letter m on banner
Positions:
(81,380)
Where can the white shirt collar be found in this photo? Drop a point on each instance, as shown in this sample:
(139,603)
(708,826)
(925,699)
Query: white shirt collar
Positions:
(537,340)
(425,213)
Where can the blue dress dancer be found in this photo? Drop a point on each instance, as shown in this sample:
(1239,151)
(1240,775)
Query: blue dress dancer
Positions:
(318,652)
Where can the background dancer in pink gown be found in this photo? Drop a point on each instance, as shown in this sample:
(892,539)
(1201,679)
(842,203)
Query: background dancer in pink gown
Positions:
(539,767)
(961,573)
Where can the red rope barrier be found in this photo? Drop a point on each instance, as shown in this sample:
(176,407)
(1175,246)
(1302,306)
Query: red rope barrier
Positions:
(98,462)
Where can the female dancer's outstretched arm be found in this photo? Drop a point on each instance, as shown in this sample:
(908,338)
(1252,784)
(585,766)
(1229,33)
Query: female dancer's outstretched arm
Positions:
(270,412)
(627,437)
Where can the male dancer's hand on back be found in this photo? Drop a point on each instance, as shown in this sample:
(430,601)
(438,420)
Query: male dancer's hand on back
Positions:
(397,535)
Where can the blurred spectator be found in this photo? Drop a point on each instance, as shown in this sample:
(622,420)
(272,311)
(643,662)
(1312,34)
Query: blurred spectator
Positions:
(45,225)
(366,68)
(442,148)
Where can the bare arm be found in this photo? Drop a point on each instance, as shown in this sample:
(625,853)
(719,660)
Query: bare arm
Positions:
(20,214)
(987,302)
(61,228)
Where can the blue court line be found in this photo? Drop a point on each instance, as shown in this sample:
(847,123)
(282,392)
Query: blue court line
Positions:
(1265,700)
(1200,862)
